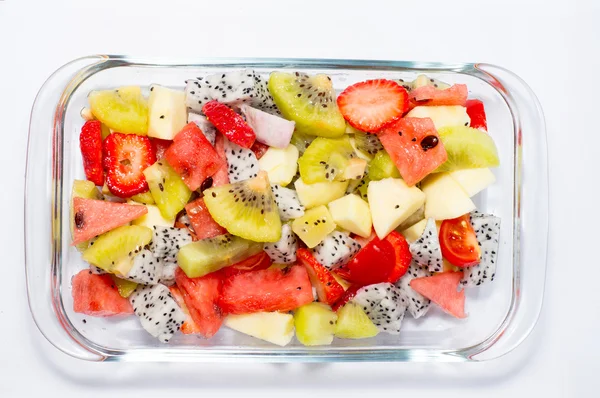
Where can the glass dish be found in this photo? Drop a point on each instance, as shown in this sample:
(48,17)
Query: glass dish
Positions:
(501,314)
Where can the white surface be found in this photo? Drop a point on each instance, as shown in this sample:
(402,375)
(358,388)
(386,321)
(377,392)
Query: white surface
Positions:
(552,45)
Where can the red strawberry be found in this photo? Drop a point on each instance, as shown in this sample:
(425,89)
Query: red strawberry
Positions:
(259,149)
(90,142)
(403,256)
(476,112)
(374,263)
(370,105)
(125,158)
(229,123)
(347,296)
(328,289)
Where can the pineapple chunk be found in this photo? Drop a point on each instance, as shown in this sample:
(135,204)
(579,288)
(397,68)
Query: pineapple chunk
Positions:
(413,233)
(152,218)
(280,164)
(167,112)
(315,324)
(391,202)
(445,198)
(320,193)
(352,213)
(473,181)
(442,116)
(274,327)
(314,226)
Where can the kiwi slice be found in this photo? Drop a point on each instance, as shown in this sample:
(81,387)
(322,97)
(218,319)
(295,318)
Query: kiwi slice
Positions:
(114,250)
(124,286)
(315,324)
(314,225)
(144,198)
(124,109)
(382,167)
(353,323)
(209,255)
(301,141)
(325,160)
(366,145)
(309,101)
(167,188)
(467,148)
(246,209)
(87,190)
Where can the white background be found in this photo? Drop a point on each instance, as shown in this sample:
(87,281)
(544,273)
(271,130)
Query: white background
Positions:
(554,46)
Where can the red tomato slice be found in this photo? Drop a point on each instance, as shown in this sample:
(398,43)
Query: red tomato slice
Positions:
(374,263)
(459,243)
(403,256)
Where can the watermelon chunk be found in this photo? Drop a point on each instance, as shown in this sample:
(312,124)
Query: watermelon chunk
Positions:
(189,326)
(94,217)
(442,289)
(201,220)
(97,295)
(272,289)
(160,147)
(415,147)
(432,96)
(201,296)
(476,112)
(192,156)
(221,177)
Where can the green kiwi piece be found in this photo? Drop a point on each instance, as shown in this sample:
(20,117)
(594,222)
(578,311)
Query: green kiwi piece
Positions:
(325,159)
(167,188)
(382,167)
(467,148)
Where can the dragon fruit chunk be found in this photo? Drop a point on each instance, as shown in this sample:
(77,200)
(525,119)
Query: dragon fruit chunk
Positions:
(242,163)
(271,130)
(417,304)
(487,230)
(426,250)
(384,305)
(166,242)
(208,129)
(97,270)
(288,202)
(146,268)
(167,276)
(157,310)
(284,250)
(336,250)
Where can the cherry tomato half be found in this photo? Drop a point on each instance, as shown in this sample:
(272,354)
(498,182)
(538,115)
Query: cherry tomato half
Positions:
(459,242)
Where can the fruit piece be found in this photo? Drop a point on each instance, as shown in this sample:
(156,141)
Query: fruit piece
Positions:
(280,164)
(346,297)
(467,148)
(442,116)
(94,217)
(193,157)
(424,80)
(124,286)
(391,202)
(336,250)
(229,123)
(242,162)
(189,326)
(315,324)
(152,217)
(96,295)
(417,304)
(284,250)
(442,290)
(208,129)
(259,149)
(328,289)
(288,203)
(201,220)
(402,256)
(413,219)
(246,209)
(157,311)
(167,241)
(320,193)
(201,296)
(314,226)
(90,143)
(382,167)
(144,198)
(167,188)
(355,170)
(125,158)
(426,249)
(145,269)
(274,327)
(458,242)
(167,113)
(445,199)
(221,177)
(309,101)
(432,96)
(366,145)
(473,181)
(82,189)
(384,306)
(124,110)
(476,112)
(325,159)
(253,263)
(370,105)
(415,231)
(487,231)
(301,141)
(352,213)
(353,323)
(414,146)
(209,255)
(271,130)
(361,188)
(272,289)
(374,263)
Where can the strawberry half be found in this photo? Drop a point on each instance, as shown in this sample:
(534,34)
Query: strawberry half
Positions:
(125,158)
(229,123)
(370,105)
(328,289)
(403,256)
(90,143)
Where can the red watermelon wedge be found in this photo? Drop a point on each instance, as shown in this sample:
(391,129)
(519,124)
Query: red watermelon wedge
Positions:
(189,326)
(442,289)
(415,147)
(94,217)
(221,177)
(476,112)
(432,96)
(97,295)
(201,220)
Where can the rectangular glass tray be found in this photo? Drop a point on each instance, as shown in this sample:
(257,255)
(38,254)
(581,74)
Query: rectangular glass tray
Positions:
(501,314)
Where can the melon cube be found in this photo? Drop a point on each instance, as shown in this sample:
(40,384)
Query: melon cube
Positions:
(319,193)
(274,327)
(414,232)
(442,115)
(353,214)
(473,181)
(167,113)
(445,199)
(280,164)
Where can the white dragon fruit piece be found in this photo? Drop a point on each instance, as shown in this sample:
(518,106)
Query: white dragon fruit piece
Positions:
(146,268)
(97,270)
(487,230)
(384,305)
(426,250)
(166,242)
(167,276)
(288,202)
(242,163)
(336,250)
(284,250)
(157,310)
(271,130)
(208,129)
(417,304)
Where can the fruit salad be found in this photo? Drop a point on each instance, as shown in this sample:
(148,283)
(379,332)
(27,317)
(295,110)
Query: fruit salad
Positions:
(281,208)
